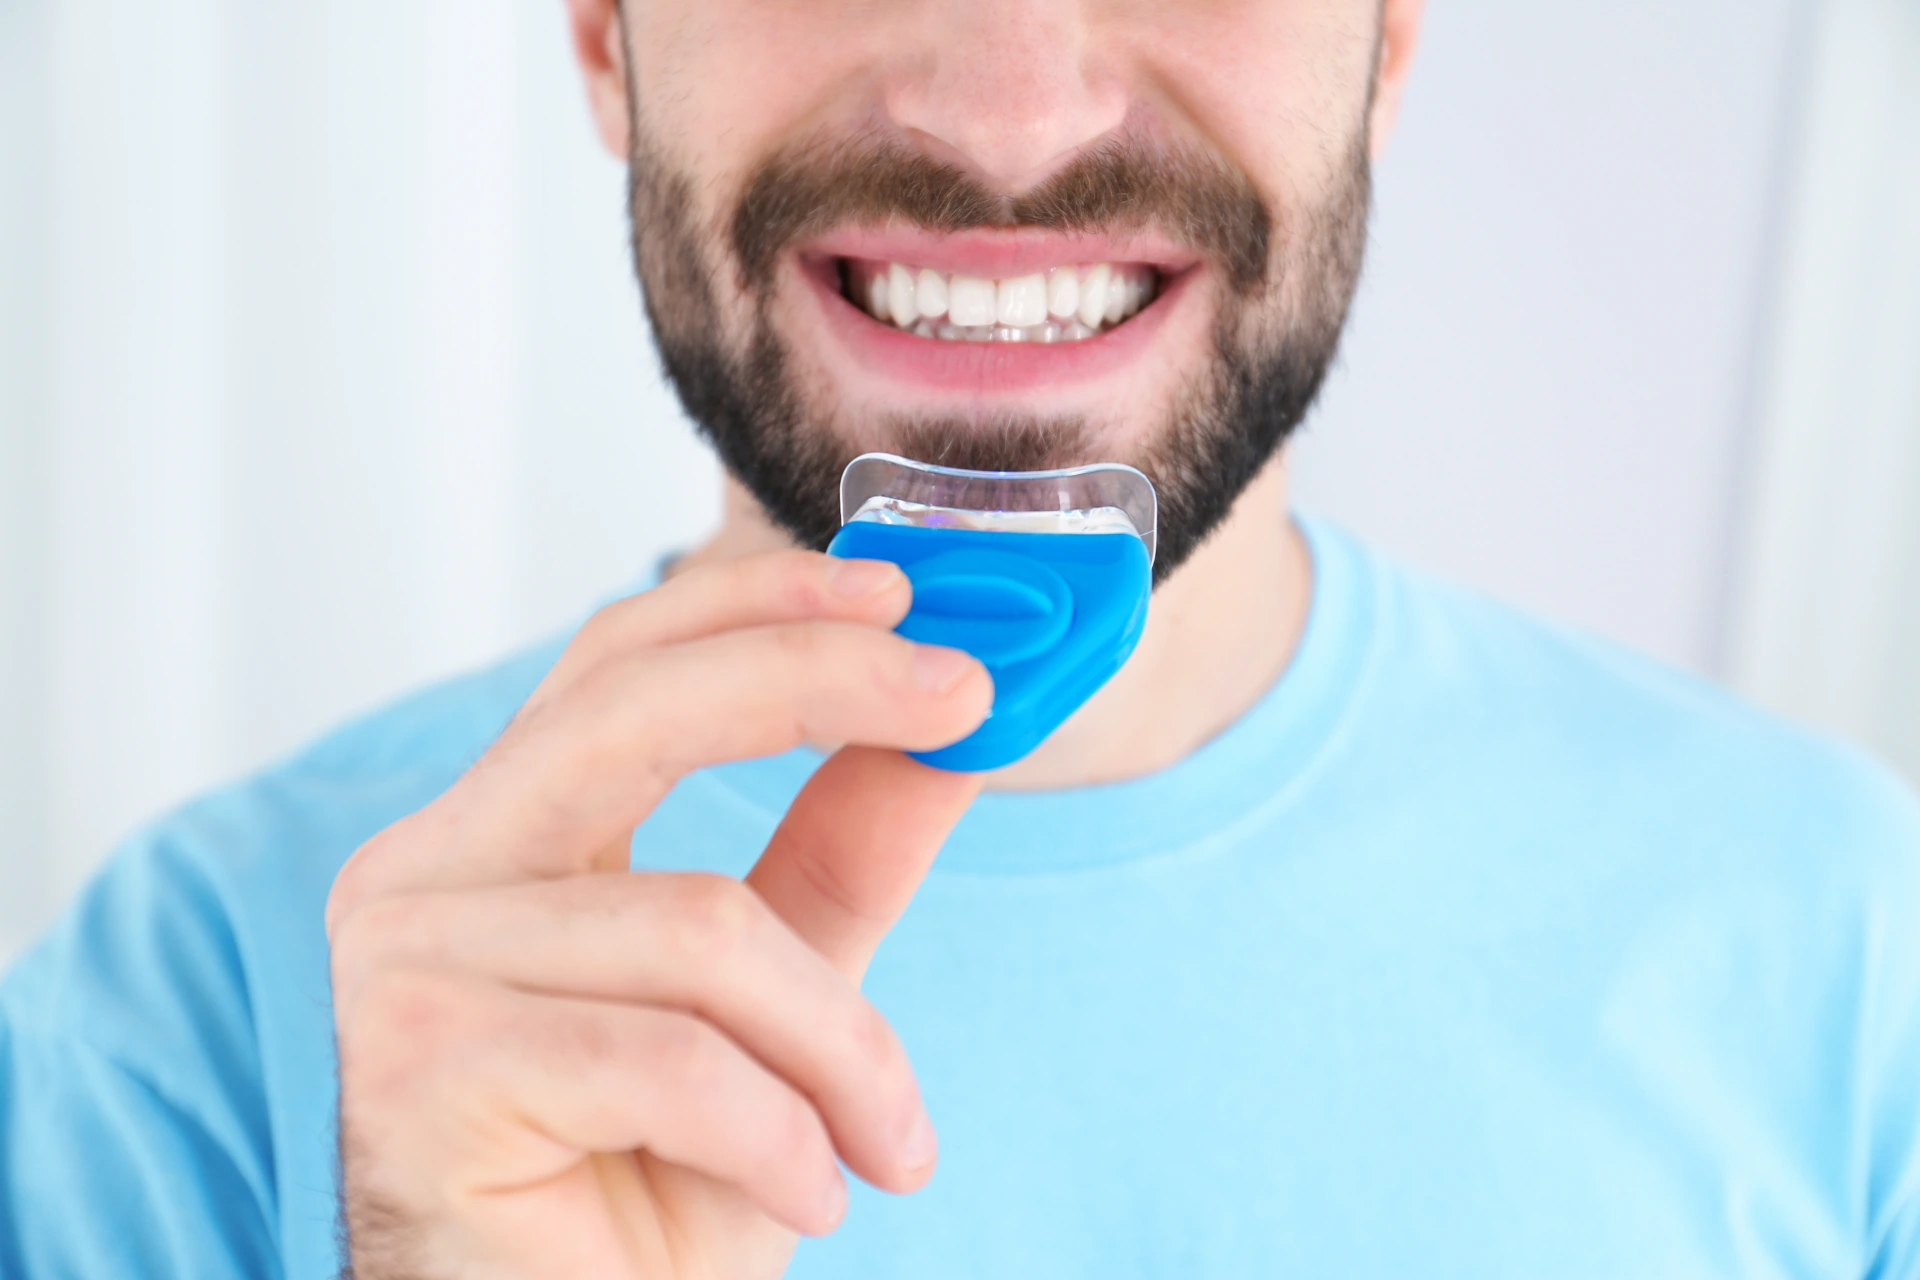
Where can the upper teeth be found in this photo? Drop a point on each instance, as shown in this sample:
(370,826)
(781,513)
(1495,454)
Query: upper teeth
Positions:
(1063,304)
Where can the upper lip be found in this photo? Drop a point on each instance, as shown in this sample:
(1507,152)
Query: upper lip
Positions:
(997,253)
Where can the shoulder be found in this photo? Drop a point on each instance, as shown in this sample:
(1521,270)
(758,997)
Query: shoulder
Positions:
(161,943)
(1589,731)
(169,1041)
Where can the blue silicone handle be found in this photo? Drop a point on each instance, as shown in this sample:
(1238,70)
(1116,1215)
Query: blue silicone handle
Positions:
(1052,615)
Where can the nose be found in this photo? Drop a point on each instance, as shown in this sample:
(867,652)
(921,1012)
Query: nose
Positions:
(1012,88)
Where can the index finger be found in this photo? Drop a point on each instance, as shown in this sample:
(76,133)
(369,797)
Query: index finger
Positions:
(563,788)
(751,591)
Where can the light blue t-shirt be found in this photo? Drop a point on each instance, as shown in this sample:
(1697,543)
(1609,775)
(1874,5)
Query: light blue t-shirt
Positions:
(1475,949)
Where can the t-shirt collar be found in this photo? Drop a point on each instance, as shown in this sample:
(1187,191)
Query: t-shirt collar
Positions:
(1257,765)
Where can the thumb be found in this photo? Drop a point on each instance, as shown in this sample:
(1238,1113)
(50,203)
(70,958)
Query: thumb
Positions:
(854,847)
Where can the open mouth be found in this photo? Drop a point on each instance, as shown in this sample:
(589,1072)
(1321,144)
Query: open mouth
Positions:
(1062,304)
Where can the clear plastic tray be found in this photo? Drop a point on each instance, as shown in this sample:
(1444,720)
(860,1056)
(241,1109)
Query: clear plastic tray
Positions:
(1103,498)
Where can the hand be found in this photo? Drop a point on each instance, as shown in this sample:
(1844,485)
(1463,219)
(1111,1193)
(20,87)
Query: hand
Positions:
(550,1066)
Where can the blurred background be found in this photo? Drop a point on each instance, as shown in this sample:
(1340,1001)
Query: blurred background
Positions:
(322,373)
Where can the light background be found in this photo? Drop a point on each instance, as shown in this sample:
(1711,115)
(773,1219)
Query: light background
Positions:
(322,373)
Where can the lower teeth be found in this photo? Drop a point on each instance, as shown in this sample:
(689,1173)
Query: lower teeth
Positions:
(1052,331)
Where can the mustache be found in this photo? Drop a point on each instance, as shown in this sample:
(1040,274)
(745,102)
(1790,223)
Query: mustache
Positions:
(1119,184)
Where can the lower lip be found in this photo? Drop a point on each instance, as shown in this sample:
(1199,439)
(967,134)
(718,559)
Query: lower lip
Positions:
(987,366)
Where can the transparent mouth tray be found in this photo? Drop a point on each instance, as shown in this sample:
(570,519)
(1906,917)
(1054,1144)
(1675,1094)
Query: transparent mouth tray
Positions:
(1104,498)
(1044,576)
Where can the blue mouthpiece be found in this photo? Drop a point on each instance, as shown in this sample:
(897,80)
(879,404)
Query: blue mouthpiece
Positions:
(1042,575)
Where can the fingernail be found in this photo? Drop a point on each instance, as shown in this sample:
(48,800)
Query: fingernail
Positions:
(938,670)
(833,1205)
(861,579)
(921,1145)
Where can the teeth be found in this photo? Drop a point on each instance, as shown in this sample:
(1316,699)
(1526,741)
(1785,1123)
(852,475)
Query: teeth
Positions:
(900,302)
(1063,292)
(1066,304)
(970,301)
(1093,296)
(1116,298)
(1021,301)
(930,294)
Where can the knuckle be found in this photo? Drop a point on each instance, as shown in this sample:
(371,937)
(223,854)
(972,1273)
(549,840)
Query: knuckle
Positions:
(611,896)
(589,1036)
(686,1053)
(797,644)
(718,919)
(400,1009)
(380,927)
(799,596)
(608,631)
(381,934)
(873,1066)
(591,688)
(377,864)
(872,1047)
(795,581)
(880,1066)
(608,624)
(597,632)
(354,952)
(395,1034)
(799,1137)
(609,712)
(354,883)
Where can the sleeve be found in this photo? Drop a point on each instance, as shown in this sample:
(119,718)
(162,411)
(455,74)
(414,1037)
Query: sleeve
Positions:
(134,1139)
(102,1177)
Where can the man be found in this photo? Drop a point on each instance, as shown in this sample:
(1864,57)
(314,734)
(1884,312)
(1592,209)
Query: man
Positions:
(1358,928)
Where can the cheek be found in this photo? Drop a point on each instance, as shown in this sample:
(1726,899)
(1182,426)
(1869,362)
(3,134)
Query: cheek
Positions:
(721,84)
(726,82)
(1279,86)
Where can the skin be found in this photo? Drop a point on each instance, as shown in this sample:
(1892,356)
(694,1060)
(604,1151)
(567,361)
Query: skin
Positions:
(552,1067)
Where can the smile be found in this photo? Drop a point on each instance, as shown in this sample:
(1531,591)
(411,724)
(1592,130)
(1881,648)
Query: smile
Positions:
(987,313)
(1060,304)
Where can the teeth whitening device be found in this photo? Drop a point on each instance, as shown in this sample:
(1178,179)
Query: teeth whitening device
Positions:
(1041,575)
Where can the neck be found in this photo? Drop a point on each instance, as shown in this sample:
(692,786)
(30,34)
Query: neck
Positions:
(1219,633)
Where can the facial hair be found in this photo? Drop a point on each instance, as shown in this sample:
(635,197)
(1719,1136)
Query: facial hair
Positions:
(1290,276)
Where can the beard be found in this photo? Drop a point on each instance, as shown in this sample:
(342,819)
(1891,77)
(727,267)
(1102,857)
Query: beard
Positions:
(1289,277)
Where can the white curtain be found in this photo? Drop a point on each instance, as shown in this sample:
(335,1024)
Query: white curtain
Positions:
(325,376)
(1827,620)
(322,371)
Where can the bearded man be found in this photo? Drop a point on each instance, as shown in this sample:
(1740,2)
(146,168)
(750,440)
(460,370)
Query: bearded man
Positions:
(1358,927)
